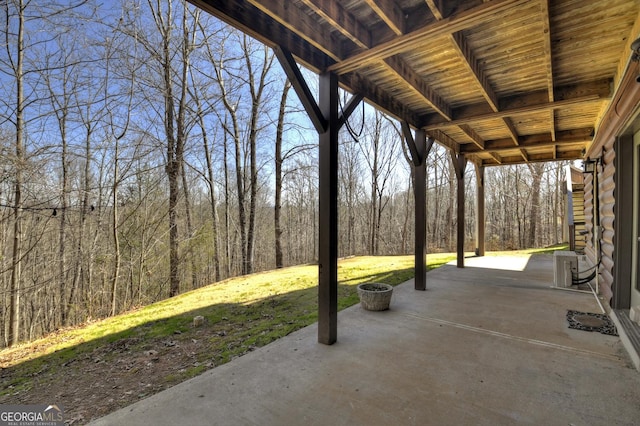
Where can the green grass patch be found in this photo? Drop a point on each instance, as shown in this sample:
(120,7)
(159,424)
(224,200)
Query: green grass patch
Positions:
(241,314)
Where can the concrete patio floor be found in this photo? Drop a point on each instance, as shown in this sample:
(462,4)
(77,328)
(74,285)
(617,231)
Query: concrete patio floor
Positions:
(484,345)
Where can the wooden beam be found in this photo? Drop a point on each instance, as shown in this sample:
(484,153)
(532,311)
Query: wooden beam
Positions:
(546,36)
(575,94)
(449,25)
(468,58)
(547,106)
(390,13)
(302,89)
(383,100)
(565,137)
(535,158)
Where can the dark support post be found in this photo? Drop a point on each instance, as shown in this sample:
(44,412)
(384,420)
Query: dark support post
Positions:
(325,118)
(328,209)
(480,218)
(419,149)
(460,163)
(420,194)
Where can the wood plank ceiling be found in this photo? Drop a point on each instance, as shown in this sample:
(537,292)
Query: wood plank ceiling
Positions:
(501,81)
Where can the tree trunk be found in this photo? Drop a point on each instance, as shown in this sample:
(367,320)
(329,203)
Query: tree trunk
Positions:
(537,171)
(115,233)
(187,208)
(13,333)
(278,189)
(256,89)
(211,187)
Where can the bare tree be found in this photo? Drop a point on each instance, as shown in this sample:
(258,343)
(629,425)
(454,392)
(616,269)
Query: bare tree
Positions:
(277,208)
(537,172)
(173,65)
(16,11)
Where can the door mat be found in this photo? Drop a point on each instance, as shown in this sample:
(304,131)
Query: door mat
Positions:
(588,321)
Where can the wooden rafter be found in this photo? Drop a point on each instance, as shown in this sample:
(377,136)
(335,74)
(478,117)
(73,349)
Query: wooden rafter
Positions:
(349,26)
(467,57)
(417,84)
(444,140)
(517,52)
(482,81)
(250,20)
(496,157)
(342,20)
(296,23)
(402,43)
(390,13)
(513,133)
(475,138)
(435,6)
(546,30)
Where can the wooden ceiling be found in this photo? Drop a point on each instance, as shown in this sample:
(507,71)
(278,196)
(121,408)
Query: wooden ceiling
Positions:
(501,81)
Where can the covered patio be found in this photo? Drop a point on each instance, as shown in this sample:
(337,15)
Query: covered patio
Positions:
(487,344)
(496,82)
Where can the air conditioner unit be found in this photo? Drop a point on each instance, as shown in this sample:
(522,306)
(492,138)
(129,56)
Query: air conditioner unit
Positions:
(564,264)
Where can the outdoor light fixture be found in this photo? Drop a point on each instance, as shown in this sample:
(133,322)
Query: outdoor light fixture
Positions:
(589,165)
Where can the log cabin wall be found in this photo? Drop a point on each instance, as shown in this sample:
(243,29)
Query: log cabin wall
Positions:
(613,172)
(589,218)
(606,198)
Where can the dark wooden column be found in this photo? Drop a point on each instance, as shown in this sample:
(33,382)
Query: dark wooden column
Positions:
(420,196)
(327,121)
(459,164)
(328,212)
(419,149)
(480,217)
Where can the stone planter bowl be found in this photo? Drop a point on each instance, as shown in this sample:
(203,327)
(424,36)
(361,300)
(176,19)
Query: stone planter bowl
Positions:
(375,296)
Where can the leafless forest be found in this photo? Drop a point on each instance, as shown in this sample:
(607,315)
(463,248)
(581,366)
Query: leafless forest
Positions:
(147,150)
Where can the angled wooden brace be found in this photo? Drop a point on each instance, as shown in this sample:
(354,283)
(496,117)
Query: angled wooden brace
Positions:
(309,103)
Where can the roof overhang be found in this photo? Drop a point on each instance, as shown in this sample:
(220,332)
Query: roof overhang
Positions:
(500,81)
